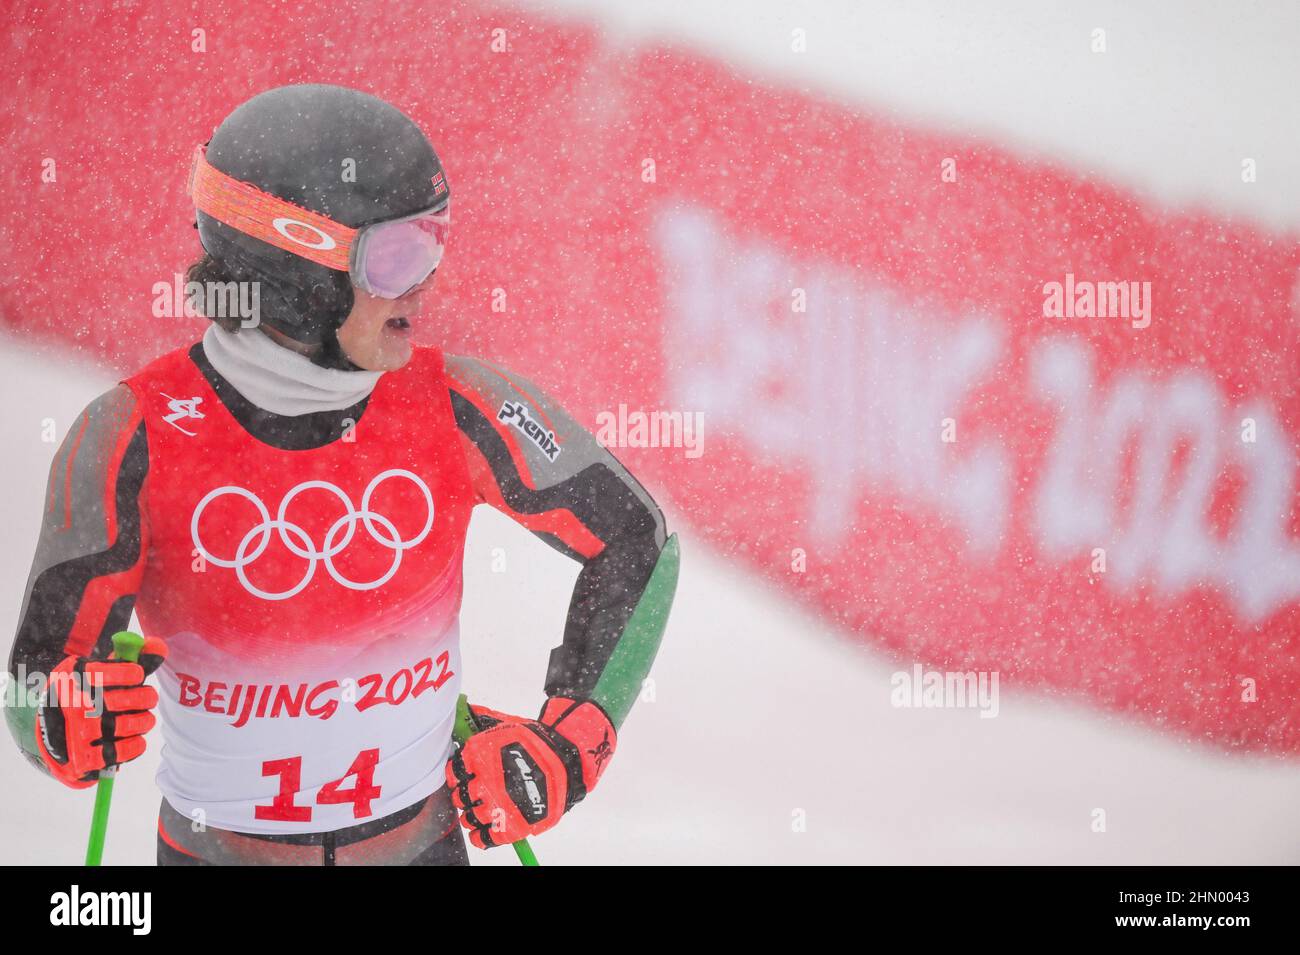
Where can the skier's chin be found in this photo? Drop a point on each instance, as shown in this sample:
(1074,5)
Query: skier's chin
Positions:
(387,348)
(394,348)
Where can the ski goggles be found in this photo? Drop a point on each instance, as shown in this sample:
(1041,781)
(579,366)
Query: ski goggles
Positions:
(386,259)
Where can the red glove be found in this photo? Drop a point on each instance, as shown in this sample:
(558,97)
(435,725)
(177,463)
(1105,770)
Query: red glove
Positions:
(516,777)
(96,713)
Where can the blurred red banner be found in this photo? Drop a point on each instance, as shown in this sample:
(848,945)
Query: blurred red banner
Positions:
(1103,504)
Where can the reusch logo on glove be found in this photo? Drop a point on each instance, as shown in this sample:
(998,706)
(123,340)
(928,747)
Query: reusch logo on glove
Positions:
(525,782)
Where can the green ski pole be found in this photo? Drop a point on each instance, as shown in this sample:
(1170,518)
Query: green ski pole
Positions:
(126,646)
(463,730)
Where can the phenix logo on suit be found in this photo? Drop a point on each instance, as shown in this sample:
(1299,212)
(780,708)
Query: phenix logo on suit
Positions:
(515,413)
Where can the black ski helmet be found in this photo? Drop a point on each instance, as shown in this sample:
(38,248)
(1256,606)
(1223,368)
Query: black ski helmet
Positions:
(335,151)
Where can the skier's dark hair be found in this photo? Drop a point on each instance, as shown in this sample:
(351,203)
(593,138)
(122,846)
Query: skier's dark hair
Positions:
(281,304)
(207,269)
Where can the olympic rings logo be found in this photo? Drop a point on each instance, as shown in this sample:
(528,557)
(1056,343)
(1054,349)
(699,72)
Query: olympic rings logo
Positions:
(340,534)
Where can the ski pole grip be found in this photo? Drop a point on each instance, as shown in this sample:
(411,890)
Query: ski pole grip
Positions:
(463,729)
(126,646)
(464,726)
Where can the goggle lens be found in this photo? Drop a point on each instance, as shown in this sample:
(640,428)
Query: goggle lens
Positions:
(398,256)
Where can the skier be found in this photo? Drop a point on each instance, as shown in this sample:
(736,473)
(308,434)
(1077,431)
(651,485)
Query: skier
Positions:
(284,505)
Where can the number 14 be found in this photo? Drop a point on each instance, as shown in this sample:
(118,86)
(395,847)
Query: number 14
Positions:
(283,808)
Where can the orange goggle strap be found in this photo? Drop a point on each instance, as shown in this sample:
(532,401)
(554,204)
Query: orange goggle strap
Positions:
(269,218)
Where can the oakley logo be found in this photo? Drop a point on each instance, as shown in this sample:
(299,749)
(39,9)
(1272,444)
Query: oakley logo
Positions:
(324,241)
(297,540)
(180,409)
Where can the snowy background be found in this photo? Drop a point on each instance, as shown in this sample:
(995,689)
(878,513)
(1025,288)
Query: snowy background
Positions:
(763,711)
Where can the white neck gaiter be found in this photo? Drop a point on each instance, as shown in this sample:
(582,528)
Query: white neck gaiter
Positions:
(281,381)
